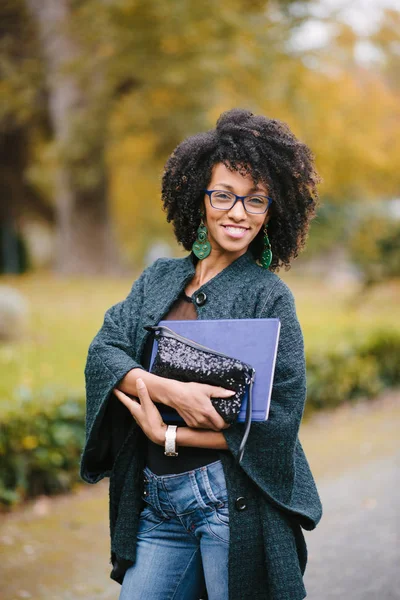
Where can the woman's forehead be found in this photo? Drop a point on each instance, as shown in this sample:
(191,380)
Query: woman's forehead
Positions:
(222,175)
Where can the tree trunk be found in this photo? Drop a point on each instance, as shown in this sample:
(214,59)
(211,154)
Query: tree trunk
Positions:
(18,200)
(85,238)
(85,241)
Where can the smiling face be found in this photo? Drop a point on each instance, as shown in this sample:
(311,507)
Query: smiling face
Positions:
(231,231)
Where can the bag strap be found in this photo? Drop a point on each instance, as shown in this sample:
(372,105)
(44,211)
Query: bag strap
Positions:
(249,409)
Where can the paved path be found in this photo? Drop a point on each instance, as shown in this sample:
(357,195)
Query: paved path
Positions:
(58,548)
(354,553)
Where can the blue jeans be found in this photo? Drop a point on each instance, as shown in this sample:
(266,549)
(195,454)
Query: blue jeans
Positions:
(183,538)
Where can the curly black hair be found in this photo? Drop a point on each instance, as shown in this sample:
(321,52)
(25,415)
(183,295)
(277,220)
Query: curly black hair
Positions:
(250,144)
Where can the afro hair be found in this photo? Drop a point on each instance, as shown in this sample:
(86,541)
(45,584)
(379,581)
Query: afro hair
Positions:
(251,144)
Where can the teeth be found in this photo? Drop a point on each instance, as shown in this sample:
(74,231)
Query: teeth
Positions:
(235,229)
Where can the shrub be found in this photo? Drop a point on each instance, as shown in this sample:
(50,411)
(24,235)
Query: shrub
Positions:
(340,376)
(349,372)
(40,448)
(384,347)
(375,249)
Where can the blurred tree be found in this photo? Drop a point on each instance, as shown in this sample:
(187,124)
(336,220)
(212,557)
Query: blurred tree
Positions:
(21,108)
(344,110)
(331,229)
(78,111)
(375,249)
(95,54)
(386,39)
(105,90)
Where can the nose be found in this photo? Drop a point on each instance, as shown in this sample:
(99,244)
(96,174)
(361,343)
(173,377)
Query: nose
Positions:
(237,212)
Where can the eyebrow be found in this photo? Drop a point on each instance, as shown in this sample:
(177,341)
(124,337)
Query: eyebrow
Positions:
(253,189)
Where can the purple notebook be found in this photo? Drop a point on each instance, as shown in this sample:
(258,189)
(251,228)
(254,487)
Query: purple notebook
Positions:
(254,341)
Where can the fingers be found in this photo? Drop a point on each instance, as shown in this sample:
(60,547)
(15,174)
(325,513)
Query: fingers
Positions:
(137,408)
(217,422)
(211,419)
(142,391)
(195,407)
(220,392)
(132,405)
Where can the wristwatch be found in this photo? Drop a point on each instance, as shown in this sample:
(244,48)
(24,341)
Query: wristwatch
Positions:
(170,441)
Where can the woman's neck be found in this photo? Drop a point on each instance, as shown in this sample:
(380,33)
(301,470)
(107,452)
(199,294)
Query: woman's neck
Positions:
(209,267)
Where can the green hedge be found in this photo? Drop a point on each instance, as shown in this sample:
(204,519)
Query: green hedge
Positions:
(350,372)
(40,444)
(40,447)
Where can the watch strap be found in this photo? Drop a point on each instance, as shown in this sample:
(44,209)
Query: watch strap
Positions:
(170,441)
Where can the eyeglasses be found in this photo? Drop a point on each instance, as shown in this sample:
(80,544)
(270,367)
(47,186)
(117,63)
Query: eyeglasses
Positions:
(255,204)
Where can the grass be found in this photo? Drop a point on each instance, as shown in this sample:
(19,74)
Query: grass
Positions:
(65,314)
(64,317)
(331,314)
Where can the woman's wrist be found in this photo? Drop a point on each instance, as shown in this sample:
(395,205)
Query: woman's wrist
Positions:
(194,438)
(200,438)
(159,437)
(160,389)
(166,390)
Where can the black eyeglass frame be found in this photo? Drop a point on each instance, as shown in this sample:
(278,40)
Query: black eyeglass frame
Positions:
(241,198)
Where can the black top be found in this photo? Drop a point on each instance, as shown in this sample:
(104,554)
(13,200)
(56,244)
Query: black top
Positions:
(188,458)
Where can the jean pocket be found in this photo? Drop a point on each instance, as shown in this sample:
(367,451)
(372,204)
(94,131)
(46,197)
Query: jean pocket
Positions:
(149,519)
(222,512)
(215,487)
(218,522)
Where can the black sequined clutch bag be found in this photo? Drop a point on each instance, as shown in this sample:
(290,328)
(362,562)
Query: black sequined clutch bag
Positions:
(183,359)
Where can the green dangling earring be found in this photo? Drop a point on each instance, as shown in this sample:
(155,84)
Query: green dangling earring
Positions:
(201,247)
(266,256)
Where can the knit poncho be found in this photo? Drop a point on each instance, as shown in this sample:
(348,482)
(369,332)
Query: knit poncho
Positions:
(267,553)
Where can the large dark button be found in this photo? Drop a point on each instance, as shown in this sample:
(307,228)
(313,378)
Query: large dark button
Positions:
(240,503)
(200,298)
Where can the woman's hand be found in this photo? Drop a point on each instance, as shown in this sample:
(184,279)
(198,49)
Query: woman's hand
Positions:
(145,413)
(192,401)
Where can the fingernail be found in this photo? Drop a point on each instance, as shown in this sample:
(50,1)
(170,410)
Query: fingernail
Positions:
(139,384)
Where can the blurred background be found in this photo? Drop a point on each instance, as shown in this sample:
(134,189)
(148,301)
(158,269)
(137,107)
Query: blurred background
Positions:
(94,96)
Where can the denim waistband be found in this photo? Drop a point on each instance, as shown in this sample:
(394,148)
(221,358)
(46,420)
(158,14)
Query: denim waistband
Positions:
(212,467)
(183,493)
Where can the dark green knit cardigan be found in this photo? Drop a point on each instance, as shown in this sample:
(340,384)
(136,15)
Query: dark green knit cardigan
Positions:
(267,553)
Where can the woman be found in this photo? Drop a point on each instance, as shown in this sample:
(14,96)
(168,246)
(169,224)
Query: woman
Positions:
(197,523)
